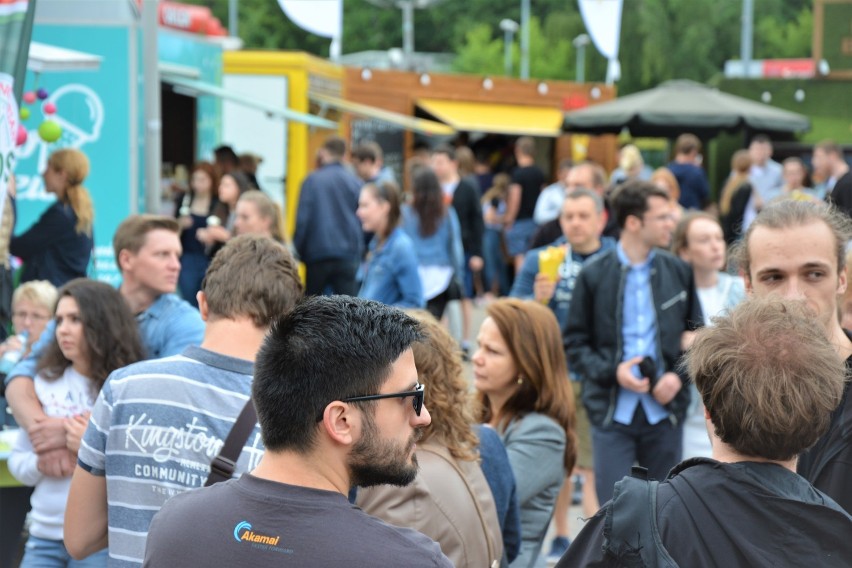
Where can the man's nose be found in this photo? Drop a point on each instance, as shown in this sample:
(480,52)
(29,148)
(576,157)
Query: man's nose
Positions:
(424,419)
(793,289)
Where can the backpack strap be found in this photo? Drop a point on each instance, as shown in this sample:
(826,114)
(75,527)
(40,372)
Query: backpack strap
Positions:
(631,534)
(223,465)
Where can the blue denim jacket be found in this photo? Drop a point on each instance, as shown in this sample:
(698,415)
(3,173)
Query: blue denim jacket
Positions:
(390,275)
(444,248)
(166,328)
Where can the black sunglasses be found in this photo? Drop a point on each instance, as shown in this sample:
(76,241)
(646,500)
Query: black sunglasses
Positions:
(416,397)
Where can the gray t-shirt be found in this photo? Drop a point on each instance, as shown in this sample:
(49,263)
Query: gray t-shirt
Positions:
(155,428)
(256,522)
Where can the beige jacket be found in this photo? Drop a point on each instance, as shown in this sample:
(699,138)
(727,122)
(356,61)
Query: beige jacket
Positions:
(449,501)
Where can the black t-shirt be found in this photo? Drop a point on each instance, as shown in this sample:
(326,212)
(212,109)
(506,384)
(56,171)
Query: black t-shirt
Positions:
(531,180)
(256,522)
(828,464)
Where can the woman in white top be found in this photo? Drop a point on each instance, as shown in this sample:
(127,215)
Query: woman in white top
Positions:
(95,334)
(699,240)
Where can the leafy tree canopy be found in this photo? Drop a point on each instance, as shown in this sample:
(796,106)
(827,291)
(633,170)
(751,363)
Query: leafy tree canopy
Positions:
(660,39)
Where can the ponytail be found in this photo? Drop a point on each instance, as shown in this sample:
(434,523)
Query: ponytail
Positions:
(75,165)
(81,202)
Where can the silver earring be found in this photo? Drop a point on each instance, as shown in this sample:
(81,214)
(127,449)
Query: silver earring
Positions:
(520,380)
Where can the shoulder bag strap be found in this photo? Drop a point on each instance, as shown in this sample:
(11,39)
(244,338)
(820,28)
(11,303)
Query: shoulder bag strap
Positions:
(223,465)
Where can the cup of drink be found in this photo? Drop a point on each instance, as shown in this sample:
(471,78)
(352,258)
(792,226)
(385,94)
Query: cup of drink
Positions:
(549,261)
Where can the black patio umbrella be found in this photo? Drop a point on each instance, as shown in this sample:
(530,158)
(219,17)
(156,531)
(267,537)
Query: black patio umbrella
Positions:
(675,107)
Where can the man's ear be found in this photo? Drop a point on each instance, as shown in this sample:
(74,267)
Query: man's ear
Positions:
(202,305)
(340,423)
(124,257)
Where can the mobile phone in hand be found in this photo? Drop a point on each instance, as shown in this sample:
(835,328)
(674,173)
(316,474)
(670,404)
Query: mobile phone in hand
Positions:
(648,369)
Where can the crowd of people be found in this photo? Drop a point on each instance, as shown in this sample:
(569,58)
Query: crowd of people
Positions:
(684,363)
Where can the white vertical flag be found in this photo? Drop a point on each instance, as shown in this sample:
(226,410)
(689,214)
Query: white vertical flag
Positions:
(321,17)
(603,22)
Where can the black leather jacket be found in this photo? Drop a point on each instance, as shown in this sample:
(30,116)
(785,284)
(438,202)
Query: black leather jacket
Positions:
(593,340)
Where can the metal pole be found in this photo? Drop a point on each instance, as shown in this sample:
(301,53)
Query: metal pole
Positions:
(507,49)
(747,35)
(407,30)
(580,42)
(233,18)
(151,98)
(525,39)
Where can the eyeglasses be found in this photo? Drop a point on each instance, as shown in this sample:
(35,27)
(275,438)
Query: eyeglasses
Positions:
(416,397)
(29,315)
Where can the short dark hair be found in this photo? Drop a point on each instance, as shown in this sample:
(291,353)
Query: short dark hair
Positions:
(687,143)
(829,147)
(335,146)
(631,198)
(768,377)
(761,139)
(252,276)
(525,145)
(367,151)
(446,150)
(327,348)
(227,155)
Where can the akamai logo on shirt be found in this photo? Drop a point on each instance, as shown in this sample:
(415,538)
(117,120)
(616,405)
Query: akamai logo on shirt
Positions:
(243,533)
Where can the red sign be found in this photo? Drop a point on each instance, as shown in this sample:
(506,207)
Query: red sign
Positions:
(789,68)
(575,101)
(188,18)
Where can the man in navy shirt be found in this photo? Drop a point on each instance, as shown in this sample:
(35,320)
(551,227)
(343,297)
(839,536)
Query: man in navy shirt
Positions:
(694,187)
(328,235)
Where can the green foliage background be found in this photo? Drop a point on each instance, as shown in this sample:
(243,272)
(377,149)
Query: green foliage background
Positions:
(660,39)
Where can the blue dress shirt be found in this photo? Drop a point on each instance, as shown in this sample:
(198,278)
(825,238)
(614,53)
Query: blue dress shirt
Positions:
(639,338)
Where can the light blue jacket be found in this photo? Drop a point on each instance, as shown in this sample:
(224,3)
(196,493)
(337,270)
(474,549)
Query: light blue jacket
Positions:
(390,276)
(442,248)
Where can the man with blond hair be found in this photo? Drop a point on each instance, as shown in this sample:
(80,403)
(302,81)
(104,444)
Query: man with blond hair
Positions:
(769,378)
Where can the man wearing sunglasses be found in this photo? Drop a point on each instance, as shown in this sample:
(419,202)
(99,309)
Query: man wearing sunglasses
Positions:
(338,402)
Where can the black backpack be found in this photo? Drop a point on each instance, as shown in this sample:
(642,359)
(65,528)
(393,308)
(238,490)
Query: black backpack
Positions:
(630,533)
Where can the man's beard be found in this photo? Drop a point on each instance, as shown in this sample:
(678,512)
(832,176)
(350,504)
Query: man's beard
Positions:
(374,461)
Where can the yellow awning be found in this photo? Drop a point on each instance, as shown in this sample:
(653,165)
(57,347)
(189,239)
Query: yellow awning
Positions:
(495,118)
(407,122)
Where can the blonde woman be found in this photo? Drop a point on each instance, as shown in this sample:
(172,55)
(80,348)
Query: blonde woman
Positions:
(257,214)
(58,247)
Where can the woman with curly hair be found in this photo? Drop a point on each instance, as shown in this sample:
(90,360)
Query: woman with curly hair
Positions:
(95,334)
(450,500)
(524,393)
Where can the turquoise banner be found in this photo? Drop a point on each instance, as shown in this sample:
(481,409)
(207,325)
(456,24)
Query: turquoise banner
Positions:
(93,108)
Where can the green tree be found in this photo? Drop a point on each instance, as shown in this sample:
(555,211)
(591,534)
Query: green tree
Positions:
(480,53)
(660,39)
(775,38)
